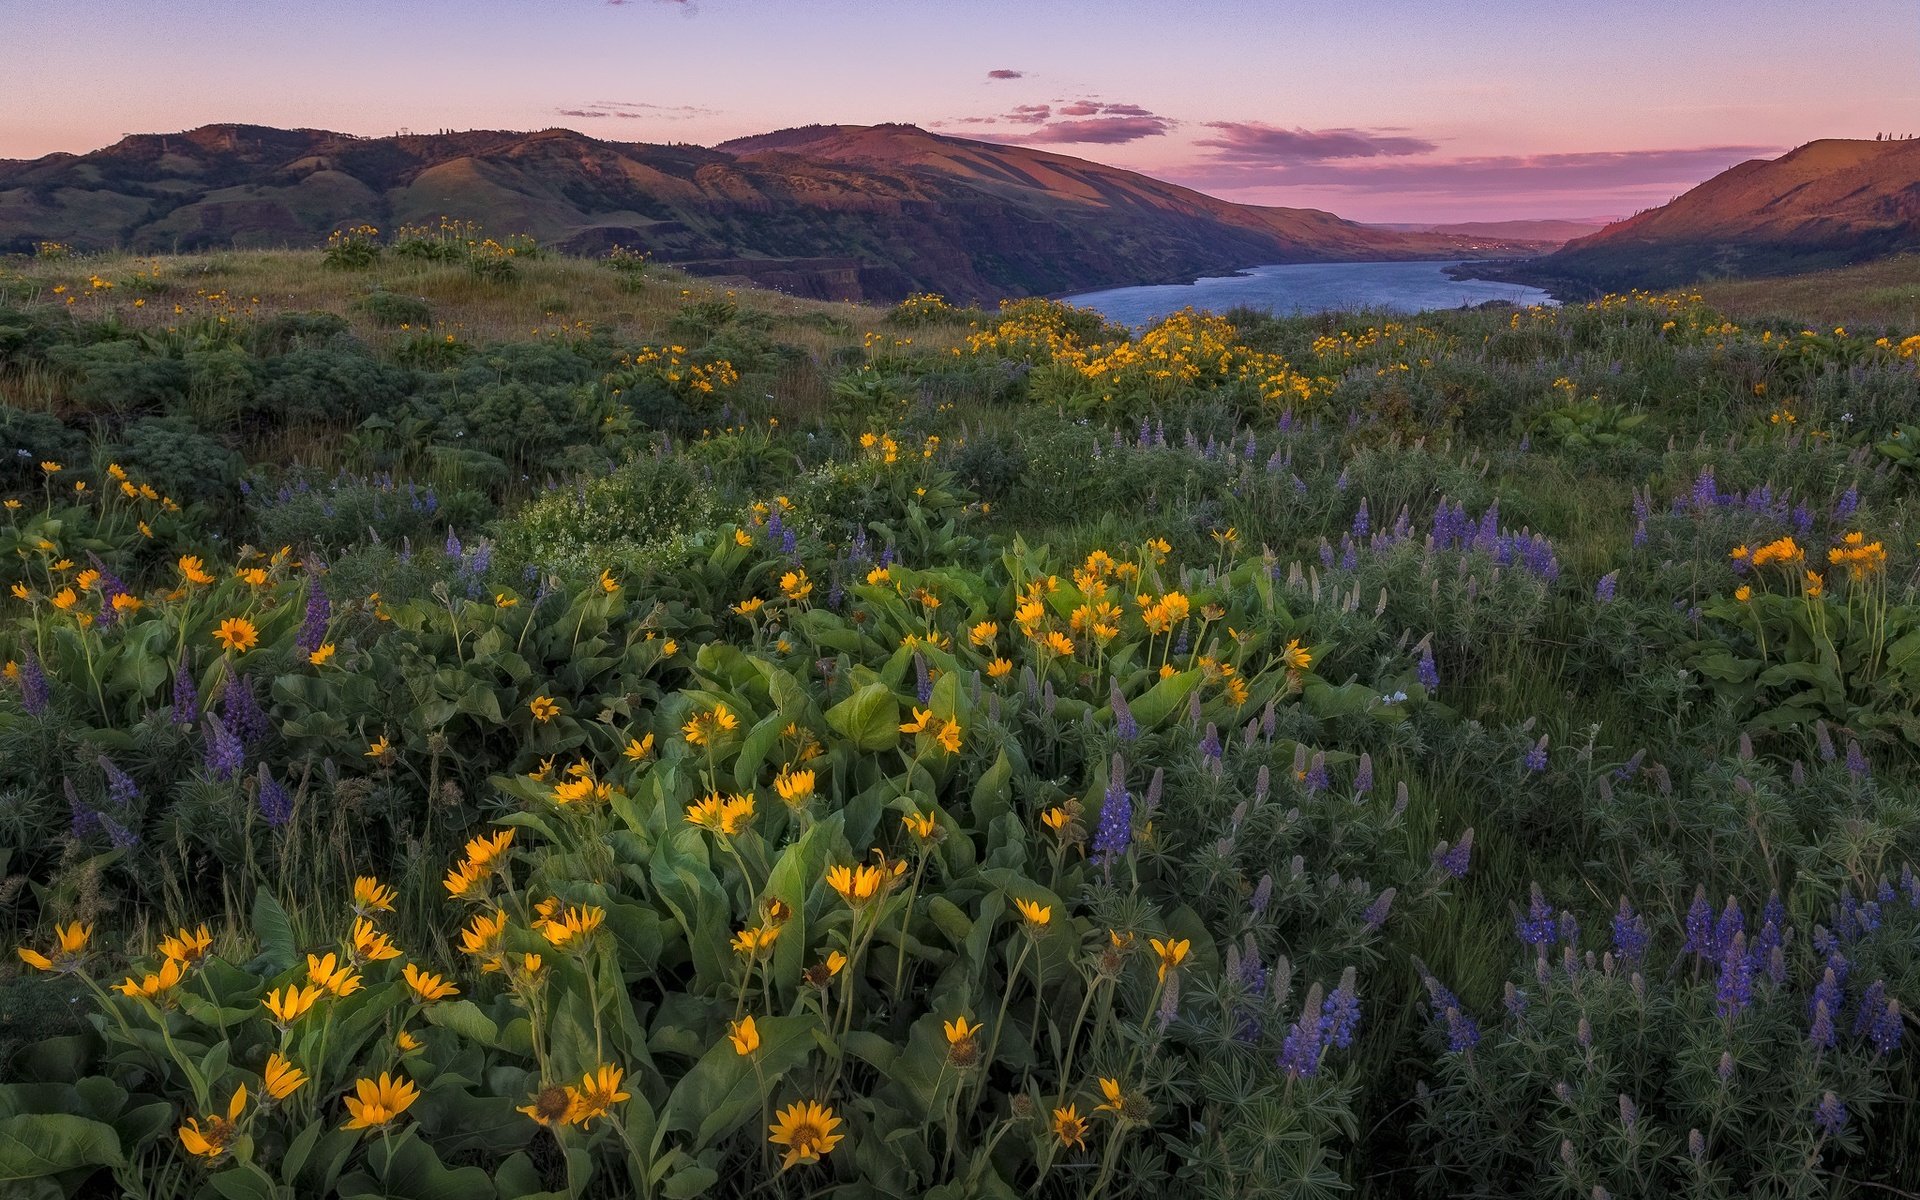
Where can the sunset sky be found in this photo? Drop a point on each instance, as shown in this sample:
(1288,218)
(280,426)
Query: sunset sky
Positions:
(1380,110)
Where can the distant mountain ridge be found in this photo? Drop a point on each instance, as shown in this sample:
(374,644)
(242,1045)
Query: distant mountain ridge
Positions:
(833,212)
(1829,203)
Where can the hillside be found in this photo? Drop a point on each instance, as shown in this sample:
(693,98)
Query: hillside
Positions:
(832,212)
(1830,203)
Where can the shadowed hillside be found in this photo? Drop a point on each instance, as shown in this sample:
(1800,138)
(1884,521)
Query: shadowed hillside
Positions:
(832,212)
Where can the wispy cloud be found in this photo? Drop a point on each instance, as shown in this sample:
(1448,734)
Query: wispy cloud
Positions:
(1070,122)
(1006,73)
(1575,171)
(635,110)
(1254,142)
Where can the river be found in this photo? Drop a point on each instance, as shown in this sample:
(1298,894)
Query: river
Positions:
(1293,288)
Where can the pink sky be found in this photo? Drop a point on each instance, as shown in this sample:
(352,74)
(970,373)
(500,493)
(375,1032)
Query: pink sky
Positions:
(1386,110)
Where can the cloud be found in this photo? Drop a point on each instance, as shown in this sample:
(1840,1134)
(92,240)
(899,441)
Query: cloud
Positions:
(1086,121)
(1254,142)
(1006,73)
(1477,187)
(635,110)
(1106,131)
(1579,170)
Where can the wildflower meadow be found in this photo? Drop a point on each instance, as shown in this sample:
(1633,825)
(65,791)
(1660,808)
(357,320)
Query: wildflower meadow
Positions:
(522,726)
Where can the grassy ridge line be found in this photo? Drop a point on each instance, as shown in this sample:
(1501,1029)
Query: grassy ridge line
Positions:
(1886,292)
(550,297)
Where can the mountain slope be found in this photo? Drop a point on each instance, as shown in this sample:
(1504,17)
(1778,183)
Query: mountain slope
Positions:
(1829,203)
(834,212)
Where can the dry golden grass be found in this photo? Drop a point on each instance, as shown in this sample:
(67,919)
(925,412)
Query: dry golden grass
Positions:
(1881,293)
(550,297)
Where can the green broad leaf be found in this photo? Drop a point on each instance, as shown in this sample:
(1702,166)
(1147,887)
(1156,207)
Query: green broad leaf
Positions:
(239,1183)
(274,931)
(870,718)
(34,1145)
(412,1171)
(689,1181)
(1164,699)
(722,1090)
(754,748)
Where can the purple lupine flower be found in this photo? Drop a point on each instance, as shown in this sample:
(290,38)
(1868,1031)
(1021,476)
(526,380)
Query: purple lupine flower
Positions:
(1262,780)
(1262,895)
(1340,484)
(34,693)
(1725,1069)
(1603,591)
(1630,936)
(1515,1001)
(1326,555)
(1363,777)
(313,630)
(1169,1003)
(1706,494)
(1362,522)
(1455,859)
(1696,1145)
(1884,1033)
(226,756)
(1848,502)
(1115,831)
(1428,674)
(1463,1032)
(923,681)
(1340,1015)
(1699,925)
(1732,921)
(1627,770)
(1210,744)
(1823,740)
(241,710)
(275,805)
(1569,930)
(1856,760)
(1376,914)
(1349,555)
(1300,1053)
(186,697)
(1152,801)
(1735,992)
(1535,760)
(1821,1033)
(1123,721)
(83,819)
(1830,1116)
(1873,1003)
(121,789)
(1536,926)
(1628,1114)
(1315,779)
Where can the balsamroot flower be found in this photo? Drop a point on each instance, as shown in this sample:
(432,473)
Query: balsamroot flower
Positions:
(963,1045)
(212,1141)
(379,1102)
(70,947)
(427,987)
(806,1129)
(1172,953)
(281,1077)
(599,1091)
(291,1003)
(543,708)
(1069,1127)
(187,947)
(237,634)
(1036,915)
(744,1035)
(154,986)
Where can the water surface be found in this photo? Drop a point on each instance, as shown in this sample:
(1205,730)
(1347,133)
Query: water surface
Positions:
(1293,288)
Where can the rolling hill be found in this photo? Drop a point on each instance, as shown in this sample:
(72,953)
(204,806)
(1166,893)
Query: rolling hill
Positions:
(1830,203)
(831,212)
